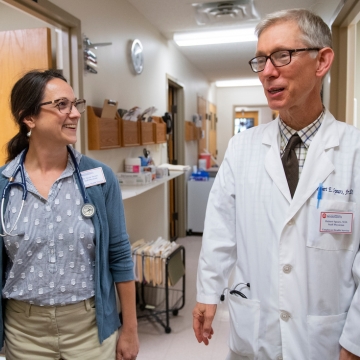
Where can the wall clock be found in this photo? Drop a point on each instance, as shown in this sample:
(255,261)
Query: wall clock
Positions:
(137,56)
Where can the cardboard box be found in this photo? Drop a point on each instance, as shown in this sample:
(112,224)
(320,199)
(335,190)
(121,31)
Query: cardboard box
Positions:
(161,172)
(151,169)
(134,178)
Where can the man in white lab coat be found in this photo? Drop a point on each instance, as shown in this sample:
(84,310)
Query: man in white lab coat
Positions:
(295,253)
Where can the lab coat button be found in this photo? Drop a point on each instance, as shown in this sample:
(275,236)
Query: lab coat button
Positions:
(285,316)
(287,269)
(280,357)
(291,222)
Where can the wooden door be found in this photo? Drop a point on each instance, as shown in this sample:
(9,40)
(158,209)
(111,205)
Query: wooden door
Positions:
(212,132)
(243,119)
(201,105)
(172,159)
(20,51)
(275,114)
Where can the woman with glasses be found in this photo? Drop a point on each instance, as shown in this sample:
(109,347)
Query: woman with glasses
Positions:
(64,241)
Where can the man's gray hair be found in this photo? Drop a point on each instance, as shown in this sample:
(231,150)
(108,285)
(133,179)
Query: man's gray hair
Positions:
(315,32)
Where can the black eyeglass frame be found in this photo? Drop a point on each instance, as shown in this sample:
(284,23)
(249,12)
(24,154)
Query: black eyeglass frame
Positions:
(72,103)
(270,57)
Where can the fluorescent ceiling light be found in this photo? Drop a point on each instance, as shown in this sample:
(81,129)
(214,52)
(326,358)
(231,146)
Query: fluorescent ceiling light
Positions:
(239,82)
(215,37)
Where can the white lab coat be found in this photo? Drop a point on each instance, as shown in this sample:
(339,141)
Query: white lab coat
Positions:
(303,296)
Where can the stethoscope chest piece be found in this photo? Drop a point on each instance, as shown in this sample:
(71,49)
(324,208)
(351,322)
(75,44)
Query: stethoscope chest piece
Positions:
(88,210)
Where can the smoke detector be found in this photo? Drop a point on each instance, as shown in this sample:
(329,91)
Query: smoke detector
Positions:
(225,11)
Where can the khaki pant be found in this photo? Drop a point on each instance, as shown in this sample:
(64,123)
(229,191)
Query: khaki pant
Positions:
(53,333)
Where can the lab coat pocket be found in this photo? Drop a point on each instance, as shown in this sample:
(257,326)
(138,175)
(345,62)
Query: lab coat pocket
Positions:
(244,326)
(324,333)
(324,240)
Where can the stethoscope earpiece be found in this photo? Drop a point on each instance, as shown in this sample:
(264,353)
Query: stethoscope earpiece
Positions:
(234,291)
(237,292)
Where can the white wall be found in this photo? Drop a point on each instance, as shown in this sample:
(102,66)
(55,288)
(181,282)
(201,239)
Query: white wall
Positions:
(14,19)
(226,100)
(118,22)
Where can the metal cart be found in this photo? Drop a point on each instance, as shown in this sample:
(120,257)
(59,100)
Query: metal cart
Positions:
(155,301)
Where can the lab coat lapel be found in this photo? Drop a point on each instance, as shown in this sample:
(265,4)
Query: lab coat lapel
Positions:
(273,164)
(318,165)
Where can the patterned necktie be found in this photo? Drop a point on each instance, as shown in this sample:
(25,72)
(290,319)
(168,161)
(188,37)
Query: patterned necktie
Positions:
(291,163)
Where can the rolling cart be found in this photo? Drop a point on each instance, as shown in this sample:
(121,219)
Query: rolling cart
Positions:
(155,301)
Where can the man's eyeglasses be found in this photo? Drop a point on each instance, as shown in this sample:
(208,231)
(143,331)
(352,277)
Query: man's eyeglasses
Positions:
(277,58)
(65,105)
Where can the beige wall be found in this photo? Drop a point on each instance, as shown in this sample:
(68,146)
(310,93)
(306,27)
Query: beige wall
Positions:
(13,19)
(226,100)
(118,22)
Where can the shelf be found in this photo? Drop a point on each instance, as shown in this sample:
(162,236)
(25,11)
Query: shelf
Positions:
(129,191)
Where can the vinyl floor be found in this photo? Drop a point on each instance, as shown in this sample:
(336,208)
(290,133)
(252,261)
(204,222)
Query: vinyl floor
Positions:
(181,343)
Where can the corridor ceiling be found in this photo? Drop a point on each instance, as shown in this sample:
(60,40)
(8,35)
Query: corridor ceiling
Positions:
(224,61)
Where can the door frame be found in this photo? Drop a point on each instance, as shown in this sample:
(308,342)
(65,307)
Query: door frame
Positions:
(212,111)
(54,15)
(257,108)
(344,29)
(179,146)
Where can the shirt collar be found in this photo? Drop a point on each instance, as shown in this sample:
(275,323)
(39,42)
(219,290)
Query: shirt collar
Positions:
(70,168)
(306,134)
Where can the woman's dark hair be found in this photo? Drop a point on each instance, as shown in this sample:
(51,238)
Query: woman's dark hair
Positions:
(26,95)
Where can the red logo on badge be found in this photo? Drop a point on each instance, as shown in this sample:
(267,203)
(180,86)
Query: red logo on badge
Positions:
(324,215)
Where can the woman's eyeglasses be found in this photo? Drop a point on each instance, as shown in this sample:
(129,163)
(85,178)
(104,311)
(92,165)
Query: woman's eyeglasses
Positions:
(65,105)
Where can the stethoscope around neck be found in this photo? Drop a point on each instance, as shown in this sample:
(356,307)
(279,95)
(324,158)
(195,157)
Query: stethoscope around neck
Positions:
(88,210)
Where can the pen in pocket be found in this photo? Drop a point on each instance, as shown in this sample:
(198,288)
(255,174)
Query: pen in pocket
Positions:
(319,195)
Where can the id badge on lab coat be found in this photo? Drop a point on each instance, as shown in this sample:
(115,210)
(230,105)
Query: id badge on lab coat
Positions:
(321,234)
(336,222)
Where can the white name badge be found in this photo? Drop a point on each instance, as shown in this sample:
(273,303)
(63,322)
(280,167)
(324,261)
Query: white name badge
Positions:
(93,177)
(336,222)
